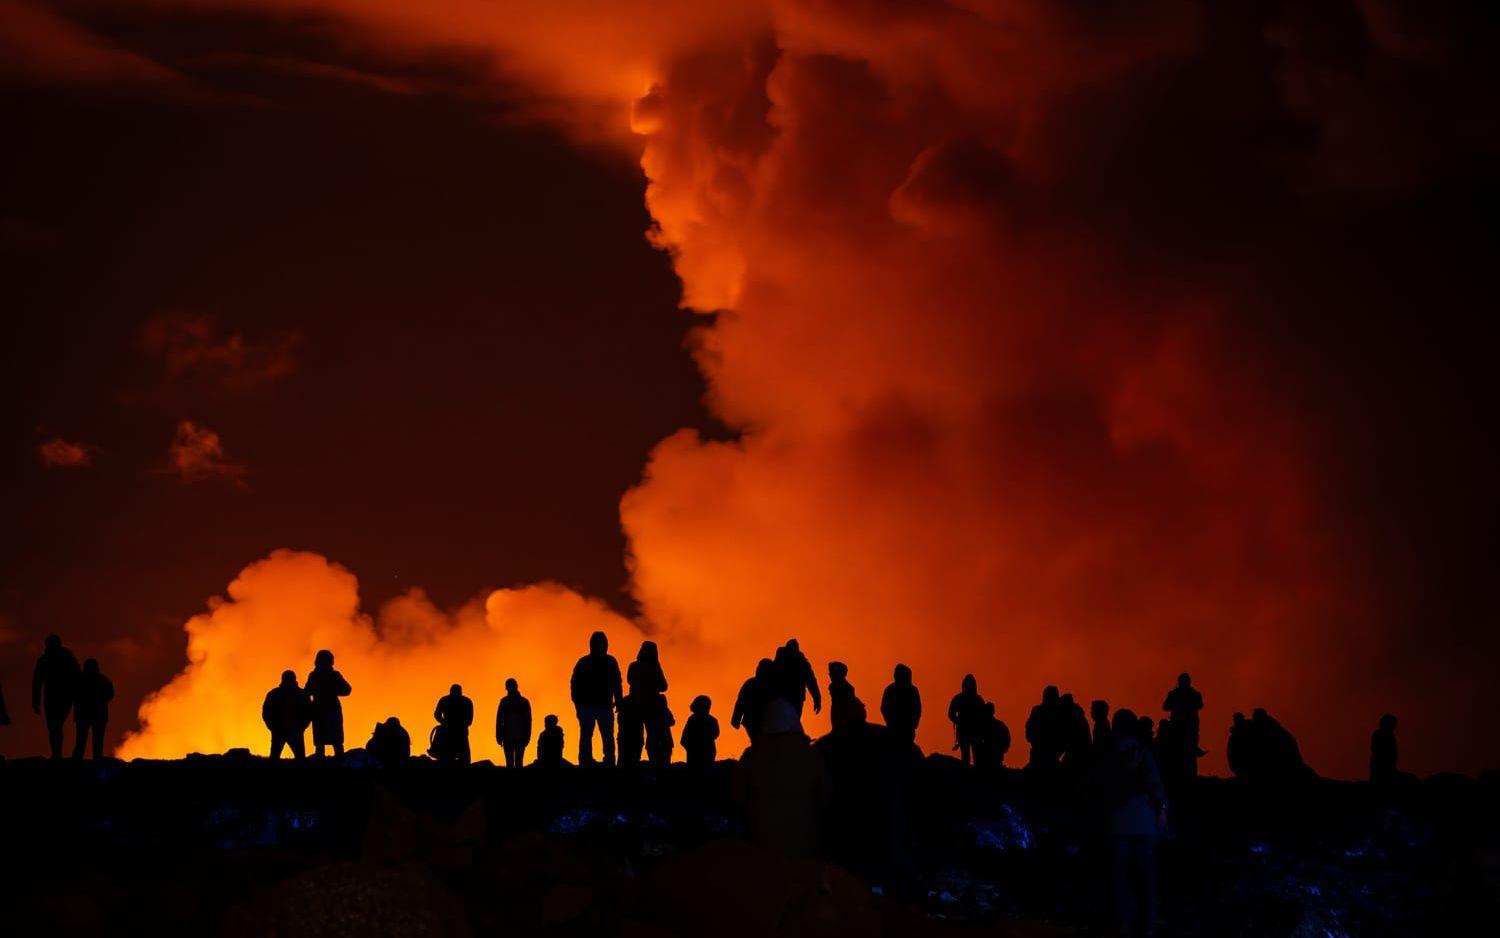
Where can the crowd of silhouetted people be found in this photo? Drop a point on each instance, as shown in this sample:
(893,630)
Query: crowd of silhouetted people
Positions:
(851,787)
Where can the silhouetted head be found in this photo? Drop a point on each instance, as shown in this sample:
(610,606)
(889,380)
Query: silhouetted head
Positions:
(289,679)
(791,645)
(52,643)
(1067,699)
(393,723)
(1388,723)
(765,670)
(1183,680)
(902,674)
(838,670)
(781,718)
(648,652)
(456,690)
(1238,718)
(324,659)
(989,708)
(550,720)
(1259,713)
(511,687)
(1147,725)
(970,685)
(1126,723)
(1099,709)
(91,667)
(1049,694)
(700,704)
(598,643)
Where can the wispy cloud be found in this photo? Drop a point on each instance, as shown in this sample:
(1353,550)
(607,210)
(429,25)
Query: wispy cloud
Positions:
(193,346)
(197,453)
(58,453)
(38,44)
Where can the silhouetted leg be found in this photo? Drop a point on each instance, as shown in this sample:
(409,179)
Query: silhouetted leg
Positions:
(55,725)
(277,741)
(965,752)
(586,718)
(607,734)
(297,746)
(99,739)
(338,749)
(80,738)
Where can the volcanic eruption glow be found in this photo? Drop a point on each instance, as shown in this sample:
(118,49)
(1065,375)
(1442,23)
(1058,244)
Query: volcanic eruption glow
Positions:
(1009,387)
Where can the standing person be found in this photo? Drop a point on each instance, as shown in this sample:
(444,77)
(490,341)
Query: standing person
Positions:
(755,693)
(842,700)
(286,713)
(966,712)
(454,714)
(1099,715)
(1383,751)
(648,690)
(700,733)
(796,677)
(325,686)
(596,690)
(901,705)
(993,742)
(390,744)
(54,684)
(1045,729)
(91,709)
(1133,806)
(513,724)
(1184,702)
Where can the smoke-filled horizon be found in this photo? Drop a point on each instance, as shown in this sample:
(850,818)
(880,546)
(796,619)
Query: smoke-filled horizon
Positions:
(1059,344)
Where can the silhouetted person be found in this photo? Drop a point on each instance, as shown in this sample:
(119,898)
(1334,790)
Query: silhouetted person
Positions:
(755,694)
(1133,807)
(1099,715)
(513,724)
(54,684)
(1044,730)
(648,703)
(1272,755)
(454,714)
(91,709)
(325,686)
(596,691)
(700,734)
(1073,732)
(389,744)
(796,677)
(841,696)
(901,705)
(286,713)
(782,784)
(966,712)
(1183,704)
(1383,751)
(549,745)
(993,742)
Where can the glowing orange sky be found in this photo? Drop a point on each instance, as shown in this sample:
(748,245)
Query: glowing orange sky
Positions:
(985,427)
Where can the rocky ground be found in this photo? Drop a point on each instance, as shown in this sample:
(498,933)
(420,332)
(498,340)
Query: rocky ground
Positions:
(236,845)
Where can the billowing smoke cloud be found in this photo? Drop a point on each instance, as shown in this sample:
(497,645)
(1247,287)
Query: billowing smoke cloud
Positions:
(1058,336)
(192,346)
